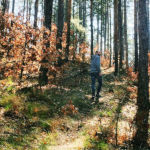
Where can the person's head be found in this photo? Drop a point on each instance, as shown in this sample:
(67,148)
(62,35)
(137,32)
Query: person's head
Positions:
(97,53)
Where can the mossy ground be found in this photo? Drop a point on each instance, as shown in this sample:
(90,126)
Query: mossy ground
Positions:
(62,115)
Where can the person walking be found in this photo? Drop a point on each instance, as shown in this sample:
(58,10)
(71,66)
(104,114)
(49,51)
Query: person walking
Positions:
(96,74)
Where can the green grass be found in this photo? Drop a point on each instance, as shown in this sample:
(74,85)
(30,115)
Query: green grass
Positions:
(102,146)
(39,110)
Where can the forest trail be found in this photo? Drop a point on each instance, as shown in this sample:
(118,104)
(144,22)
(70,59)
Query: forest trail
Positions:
(75,140)
(45,93)
(105,120)
(62,116)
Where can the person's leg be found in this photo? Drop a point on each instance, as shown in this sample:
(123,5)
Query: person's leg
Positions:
(99,85)
(93,84)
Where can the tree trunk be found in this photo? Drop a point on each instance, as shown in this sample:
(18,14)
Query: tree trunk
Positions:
(30,6)
(148,8)
(84,13)
(60,25)
(98,31)
(125,33)
(84,17)
(66,10)
(120,34)
(91,17)
(55,11)
(81,22)
(48,7)
(42,5)
(110,36)
(73,9)
(101,41)
(69,2)
(141,136)
(36,13)
(5,6)
(135,35)
(80,10)
(13,6)
(105,26)
(27,11)
(24,8)
(116,35)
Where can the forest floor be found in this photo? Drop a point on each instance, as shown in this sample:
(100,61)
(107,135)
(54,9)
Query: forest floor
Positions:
(62,116)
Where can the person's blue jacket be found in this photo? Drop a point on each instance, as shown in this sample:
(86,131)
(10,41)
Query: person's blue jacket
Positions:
(95,64)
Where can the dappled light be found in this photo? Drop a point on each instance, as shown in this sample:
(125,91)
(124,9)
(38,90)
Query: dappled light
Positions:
(74,75)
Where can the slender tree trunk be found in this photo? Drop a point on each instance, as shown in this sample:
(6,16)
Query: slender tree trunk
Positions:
(27,11)
(55,11)
(135,35)
(105,26)
(13,6)
(5,6)
(73,9)
(81,22)
(149,21)
(148,9)
(8,5)
(98,31)
(123,51)
(66,10)
(91,17)
(120,33)
(30,6)
(48,7)
(141,136)
(80,10)
(116,35)
(84,13)
(24,54)
(125,33)
(84,17)
(24,8)
(36,13)
(60,21)
(110,36)
(69,2)
(42,6)
(101,42)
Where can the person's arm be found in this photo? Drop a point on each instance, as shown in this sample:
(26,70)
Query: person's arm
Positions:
(98,64)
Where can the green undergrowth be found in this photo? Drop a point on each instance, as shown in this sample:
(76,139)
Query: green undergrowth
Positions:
(33,117)
(30,112)
(110,110)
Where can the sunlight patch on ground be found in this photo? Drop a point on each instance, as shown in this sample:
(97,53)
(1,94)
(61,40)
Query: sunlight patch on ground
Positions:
(124,128)
(88,96)
(93,121)
(129,111)
(119,83)
(106,98)
(53,86)
(105,121)
(78,144)
(107,71)
(125,131)
(2,111)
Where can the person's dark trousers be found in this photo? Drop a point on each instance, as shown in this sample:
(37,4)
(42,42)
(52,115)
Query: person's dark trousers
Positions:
(95,76)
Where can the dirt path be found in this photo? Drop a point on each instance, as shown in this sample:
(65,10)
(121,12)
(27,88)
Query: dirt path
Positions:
(107,115)
(62,116)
